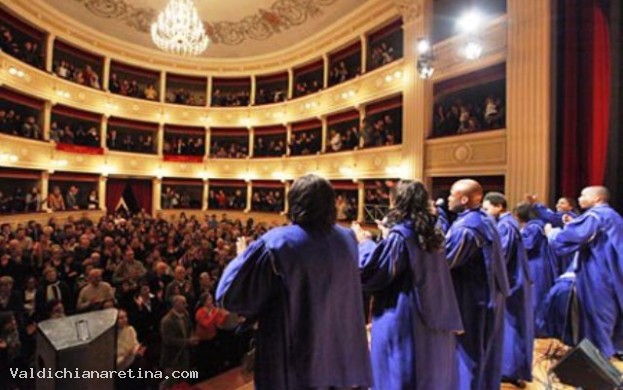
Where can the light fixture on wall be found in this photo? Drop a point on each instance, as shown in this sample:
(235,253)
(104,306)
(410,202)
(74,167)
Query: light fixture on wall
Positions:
(472,50)
(470,23)
(179,30)
(425,58)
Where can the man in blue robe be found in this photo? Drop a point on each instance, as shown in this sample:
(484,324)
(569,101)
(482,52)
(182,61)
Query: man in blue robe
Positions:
(597,236)
(560,311)
(478,269)
(301,282)
(519,316)
(415,316)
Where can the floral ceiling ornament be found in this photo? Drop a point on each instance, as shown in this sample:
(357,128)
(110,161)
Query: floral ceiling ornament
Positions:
(265,23)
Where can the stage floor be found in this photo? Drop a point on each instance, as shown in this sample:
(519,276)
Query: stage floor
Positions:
(234,380)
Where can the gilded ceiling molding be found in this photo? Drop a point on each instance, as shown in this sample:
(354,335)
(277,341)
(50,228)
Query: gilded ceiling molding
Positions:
(411,10)
(279,17)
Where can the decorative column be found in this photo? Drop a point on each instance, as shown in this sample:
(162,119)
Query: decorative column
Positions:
(288,138)
(160,139)
(101,192)
(249,196)
(418,93)
(325,75)
(47,120)
(163,86)
(106,74)
(157,195)
(206,191)
(286,204)
(45,189)
(49,52)
(323,120)
(364,53)
(251,141)
(209,92)
(290,83)
(361,199)
(528,99)
(208,141)
(104,133)
(253,89)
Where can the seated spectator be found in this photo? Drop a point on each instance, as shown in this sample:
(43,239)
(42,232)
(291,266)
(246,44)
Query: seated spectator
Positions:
(55,200)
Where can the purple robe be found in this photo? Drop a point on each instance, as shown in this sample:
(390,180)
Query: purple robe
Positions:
(597,236)
(542,264)
(415,315)
(555,219)
(560,311)
(304,289)
(519,316)
(479,275)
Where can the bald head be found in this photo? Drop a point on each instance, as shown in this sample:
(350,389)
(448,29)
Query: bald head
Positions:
(465,194)
(593,196)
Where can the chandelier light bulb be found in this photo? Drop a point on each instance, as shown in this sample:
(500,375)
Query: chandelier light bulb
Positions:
(179,30)
(473,50)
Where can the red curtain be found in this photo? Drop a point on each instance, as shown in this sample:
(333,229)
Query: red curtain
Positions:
(584,95)
(114,191)
(142,190)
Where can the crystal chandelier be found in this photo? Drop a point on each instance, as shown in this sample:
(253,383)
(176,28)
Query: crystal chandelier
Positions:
(179,30)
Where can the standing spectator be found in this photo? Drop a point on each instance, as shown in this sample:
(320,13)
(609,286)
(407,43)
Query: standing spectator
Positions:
(96,294)
(52,290)
(33,200)
(177,338)
(55,200)
(208,318)
(94,202)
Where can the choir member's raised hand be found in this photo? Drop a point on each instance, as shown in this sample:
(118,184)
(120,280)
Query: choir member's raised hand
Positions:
(566,218)
(382,227)
(531,198)
(548,229)
(241,245)
(359,232)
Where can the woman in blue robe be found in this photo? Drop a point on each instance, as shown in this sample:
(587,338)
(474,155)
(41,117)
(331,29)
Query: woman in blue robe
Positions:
(415,316)
(541,258)
(597,238)
(301,282)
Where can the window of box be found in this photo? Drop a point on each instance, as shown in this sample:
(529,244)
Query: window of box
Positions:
(227,195)
(231,92)
(73,191)
(308,79)
(20,191)
(20,115)
(343,132)
(78,66)
(385,45)
(346,200)
(21,40)
(131,136)
(134,82)
(229,143)
(269,141)
(306,138)
(271,89)
(181,194)
(345,64)
(268,196)
(382,125)
(186,90)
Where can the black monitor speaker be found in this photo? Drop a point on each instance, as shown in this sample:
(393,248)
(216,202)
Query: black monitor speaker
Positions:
(585,367)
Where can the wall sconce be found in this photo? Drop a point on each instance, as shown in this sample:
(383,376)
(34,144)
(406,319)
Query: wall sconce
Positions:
(426,56)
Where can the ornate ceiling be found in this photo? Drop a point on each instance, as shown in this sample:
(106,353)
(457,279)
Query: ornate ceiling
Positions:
(237,28)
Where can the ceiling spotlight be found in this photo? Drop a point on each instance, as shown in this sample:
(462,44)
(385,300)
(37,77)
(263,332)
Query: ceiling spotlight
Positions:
(470,21)
(425,70)
(423,46)
(472,50)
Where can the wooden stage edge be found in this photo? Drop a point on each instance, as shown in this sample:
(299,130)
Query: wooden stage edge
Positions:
(543,349)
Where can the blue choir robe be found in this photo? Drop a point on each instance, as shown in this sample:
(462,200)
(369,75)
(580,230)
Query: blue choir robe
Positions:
(542,264)
(560,311)
(415,315)
(304,289)
(597,236)
(555,219)
(443,221)
(478,270)
(519,316)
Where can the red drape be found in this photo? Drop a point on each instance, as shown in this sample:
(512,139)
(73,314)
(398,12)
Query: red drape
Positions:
(114,191)
(142,190)
(585,96)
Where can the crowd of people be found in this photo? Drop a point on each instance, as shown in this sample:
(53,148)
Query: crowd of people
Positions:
(84,76)
(72,200)
(179,198)
(303,143)
(141,265)
(136,142)
(132,88)
(460,116)
(382,53)
(20,122)
(268,200)
(229,148)
(269,146)
(184,145)
(271,95)
(71,132)
(186,97)
(340,73)
(227,198)
(26,49)
(306,87)
(384,131)
(19,198)
(346,205)
(230,98)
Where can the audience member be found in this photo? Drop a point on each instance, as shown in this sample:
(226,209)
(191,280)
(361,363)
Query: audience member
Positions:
(20,46)
(19,121)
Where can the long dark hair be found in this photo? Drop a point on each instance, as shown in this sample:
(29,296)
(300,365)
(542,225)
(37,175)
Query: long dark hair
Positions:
(311,202)
(412,203)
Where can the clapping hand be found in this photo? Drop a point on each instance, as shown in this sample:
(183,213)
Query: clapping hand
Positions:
(241,245)
(360,234)
(382,227)
(566,218)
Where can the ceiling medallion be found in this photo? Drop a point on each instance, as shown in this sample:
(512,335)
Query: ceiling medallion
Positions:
(179,30)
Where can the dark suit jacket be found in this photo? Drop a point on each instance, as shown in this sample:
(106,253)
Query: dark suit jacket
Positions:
(175,332)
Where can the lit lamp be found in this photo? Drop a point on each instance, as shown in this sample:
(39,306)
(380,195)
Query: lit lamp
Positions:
(470,24)
(425,58)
